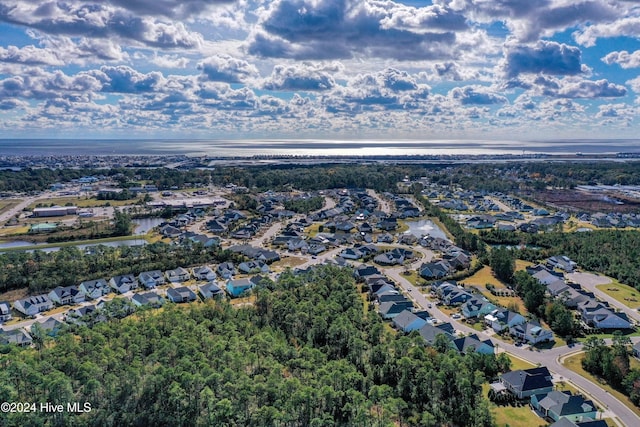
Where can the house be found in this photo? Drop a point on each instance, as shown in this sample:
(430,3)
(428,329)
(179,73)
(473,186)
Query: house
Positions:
(391,309)
(428,332)
(477,307)
(435,270)
(210,290)
(50,325)
(123,283)
(555,405)
(472,343)
(525,383)
(562,262)
(67,295)
(226,270)
(203,272)
(531,332)
(74,315)
(564,422)
(636,350)
(5,311)
(151,299)
(500,320)
(363,271)
(351,253)
(178,275)
(181,294)
(408,321)
(151,279)
(16,336)
(385,238)
(456,297)
(33,305)
(94,289)
(249,267)
(237,287)
(598,315)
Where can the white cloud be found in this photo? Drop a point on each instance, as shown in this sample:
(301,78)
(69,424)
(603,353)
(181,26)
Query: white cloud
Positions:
(224,68)
(623,58)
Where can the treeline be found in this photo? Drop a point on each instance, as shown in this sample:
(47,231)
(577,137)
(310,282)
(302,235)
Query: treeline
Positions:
(611,364)
(41,271)
(615,253)
(316,177)
(305,205)
(305,355)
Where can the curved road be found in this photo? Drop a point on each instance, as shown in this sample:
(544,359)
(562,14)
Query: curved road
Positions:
(549,358)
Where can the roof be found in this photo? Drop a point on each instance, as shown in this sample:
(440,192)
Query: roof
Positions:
(529,379)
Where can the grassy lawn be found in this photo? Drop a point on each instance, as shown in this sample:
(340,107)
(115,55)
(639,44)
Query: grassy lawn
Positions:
(313,229)
(10,231)
(522,264)
(402,226)
(575,364)
(81,202)
(625,294)
(513,416)
(484,276)
(517,363)
(412,277)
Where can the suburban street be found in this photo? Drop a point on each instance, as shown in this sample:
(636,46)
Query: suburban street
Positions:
(589,281)
(549,358)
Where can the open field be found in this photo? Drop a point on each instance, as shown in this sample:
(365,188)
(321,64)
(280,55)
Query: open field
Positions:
(625,294)
(575,364)
(81,202)
(578,200)
(10,231)
(289,261)
(7,204)
(484,276)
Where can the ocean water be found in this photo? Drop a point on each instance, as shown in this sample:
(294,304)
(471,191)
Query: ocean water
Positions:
(250,148)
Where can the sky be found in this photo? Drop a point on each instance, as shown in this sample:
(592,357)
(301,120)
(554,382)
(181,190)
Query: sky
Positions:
(320,69)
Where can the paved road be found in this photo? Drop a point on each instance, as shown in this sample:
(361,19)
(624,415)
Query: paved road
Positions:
(549,358)
(589,281)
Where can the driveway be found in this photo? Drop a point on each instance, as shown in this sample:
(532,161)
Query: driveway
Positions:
(589,281)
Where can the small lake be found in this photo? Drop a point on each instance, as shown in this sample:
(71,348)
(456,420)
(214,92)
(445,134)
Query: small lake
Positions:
(425,227)
(144,225)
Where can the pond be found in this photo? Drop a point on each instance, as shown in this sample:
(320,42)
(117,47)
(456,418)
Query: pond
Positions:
(144,225)
(425,227)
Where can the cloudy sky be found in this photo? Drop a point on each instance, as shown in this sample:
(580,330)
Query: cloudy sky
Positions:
(440,69)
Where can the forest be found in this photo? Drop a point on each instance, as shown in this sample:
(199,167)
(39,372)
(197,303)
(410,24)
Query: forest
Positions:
(611,364)
(307,353)
(507,177)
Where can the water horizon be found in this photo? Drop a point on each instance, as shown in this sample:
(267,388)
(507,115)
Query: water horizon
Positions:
(312,147)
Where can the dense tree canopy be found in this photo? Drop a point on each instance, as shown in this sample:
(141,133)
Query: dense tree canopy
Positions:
(305,354)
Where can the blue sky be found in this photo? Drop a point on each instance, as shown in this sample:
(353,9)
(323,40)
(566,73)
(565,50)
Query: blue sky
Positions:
(376,69)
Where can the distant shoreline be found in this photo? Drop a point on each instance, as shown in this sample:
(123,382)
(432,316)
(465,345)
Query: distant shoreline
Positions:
(331,149)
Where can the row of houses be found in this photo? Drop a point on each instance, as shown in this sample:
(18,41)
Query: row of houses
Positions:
(148,280)
(594,313)
(395,307)
(501,320)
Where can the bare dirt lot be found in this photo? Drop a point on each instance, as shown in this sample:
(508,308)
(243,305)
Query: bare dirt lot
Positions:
(584,201)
